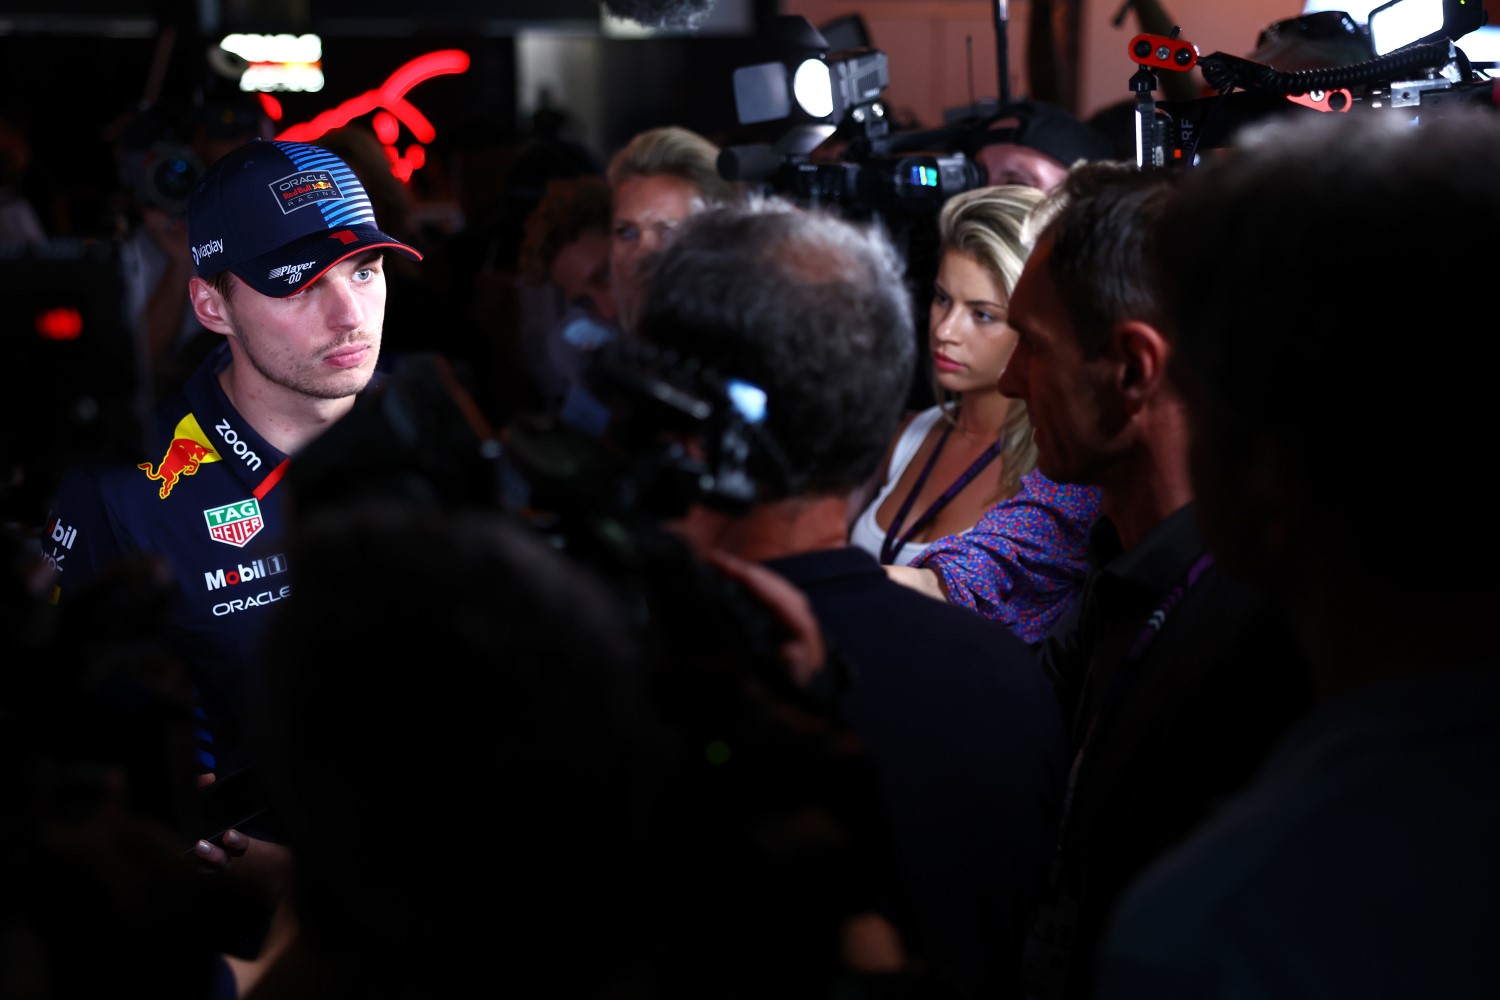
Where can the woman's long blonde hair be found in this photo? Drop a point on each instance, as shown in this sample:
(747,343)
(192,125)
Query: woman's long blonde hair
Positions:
(994,226)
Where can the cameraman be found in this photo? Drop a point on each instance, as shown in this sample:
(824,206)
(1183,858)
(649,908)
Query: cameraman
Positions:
(157,171)
(965,735)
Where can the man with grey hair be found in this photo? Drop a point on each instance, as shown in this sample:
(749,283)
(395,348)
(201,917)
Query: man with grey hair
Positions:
(966,736)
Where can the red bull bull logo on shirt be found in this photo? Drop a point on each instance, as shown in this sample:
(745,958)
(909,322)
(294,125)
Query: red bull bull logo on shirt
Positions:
(235,523)
(188,450)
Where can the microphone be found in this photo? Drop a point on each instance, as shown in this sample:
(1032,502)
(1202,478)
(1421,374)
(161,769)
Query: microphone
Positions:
(686,15)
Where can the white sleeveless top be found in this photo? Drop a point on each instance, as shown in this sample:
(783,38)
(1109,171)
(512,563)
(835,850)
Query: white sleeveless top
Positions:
(866,533)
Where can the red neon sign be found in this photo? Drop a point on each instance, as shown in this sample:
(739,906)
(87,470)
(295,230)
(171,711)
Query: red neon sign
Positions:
(391,108)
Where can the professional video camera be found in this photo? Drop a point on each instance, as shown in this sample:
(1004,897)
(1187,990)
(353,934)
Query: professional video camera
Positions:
(642,438)
(839,151)
(154,165)
(163,176)
(651,434)
(1414,70)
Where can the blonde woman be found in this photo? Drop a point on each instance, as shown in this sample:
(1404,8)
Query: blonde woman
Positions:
(657,179)
(971,457)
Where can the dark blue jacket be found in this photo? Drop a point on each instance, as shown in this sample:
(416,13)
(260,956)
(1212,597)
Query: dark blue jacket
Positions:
(204,502)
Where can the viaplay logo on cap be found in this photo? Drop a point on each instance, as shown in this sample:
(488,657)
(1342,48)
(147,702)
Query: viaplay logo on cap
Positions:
(304,188)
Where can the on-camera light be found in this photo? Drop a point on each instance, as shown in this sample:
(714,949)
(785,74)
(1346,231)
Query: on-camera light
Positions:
(1400,23)
(812,85)
(857,77)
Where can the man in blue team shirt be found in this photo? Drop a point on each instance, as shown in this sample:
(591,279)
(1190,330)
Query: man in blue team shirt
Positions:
(287,260)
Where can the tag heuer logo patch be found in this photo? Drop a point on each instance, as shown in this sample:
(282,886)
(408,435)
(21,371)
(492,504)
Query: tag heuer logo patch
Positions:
(235,523)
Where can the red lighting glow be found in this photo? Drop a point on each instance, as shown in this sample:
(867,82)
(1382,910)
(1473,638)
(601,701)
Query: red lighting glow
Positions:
(59,323)
(271,106)
(386,127)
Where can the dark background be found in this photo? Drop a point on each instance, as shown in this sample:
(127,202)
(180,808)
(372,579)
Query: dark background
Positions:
(74,71)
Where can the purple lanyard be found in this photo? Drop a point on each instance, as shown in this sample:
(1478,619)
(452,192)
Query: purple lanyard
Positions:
(1149,631)
(893,539)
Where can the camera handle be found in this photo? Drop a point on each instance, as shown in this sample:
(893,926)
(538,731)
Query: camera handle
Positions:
(1148,154)
(1150,52)
(1002,49)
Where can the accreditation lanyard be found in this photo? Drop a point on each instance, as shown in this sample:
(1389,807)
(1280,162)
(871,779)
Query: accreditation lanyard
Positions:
(1121,680)
(894,537)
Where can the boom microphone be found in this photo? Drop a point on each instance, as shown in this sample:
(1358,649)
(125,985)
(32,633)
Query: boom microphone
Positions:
(670,14)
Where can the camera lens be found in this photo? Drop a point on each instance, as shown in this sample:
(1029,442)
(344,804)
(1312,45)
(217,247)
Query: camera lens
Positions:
(167,176)
(174,178)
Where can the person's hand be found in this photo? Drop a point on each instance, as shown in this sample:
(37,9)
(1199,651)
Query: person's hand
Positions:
(803,652)
(237,855)
(924,581)
(216,856)
(170,232)
(262,864)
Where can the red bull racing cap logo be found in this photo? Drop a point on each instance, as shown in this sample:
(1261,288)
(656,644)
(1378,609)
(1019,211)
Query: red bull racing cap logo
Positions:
(303,188)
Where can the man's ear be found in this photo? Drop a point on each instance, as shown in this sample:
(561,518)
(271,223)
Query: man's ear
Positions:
(1142,354)
(209,306)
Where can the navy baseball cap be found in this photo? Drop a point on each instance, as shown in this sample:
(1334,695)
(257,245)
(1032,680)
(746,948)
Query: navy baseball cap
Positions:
(278,215)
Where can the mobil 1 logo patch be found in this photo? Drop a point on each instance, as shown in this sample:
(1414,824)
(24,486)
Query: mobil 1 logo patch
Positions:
(255,569)
(235,523)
